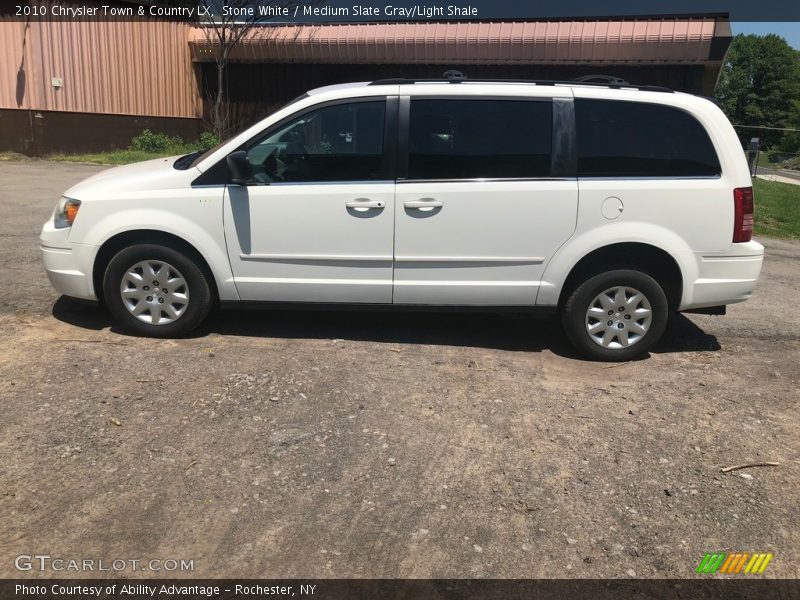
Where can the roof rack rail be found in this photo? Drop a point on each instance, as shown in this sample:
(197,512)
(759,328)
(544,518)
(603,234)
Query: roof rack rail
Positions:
(456,77)
(602,79)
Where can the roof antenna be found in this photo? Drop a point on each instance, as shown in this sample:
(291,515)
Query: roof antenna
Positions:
(454,76)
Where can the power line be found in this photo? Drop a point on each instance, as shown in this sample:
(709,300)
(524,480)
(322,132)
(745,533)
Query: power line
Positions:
(763,127)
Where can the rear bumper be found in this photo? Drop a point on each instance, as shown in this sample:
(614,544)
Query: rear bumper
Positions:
(724,278)
(68,265)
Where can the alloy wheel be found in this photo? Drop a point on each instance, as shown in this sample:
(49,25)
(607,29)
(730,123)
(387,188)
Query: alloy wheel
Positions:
(154,292)
(618,317)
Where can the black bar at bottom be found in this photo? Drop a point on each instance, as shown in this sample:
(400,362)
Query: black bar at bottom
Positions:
(394,589)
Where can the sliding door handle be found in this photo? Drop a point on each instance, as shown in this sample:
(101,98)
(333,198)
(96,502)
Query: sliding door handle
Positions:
(424,203)
(365,204)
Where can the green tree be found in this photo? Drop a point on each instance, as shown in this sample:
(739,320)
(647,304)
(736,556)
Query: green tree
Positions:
(760,85)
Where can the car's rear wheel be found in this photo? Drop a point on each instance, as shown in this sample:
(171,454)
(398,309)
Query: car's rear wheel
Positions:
(615,316)
(156,291)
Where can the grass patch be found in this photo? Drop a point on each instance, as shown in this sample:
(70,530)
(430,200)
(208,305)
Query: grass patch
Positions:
(789,163)
(114,157)
(6,156)
(777,209)
(147,145)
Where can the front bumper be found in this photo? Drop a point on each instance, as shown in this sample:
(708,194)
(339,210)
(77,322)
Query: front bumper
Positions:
(68,265)
(725,278)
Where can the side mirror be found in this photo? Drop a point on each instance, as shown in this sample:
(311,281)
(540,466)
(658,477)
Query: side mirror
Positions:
(239,171)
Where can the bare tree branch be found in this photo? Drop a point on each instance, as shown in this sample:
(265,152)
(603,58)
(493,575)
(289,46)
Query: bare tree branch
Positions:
(223,32)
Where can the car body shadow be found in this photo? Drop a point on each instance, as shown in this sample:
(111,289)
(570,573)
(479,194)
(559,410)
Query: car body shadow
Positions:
(491,330)
(684,335)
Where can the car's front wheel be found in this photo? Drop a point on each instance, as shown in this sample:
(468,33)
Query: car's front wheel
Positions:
(156,291)
(615,316)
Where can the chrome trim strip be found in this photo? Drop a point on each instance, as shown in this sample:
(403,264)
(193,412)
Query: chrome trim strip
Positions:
(479,180)
(647,178)
(358,182)
(466,283)
(313,257)
(730,258)
(295,281)
(487,180)
(59,249)
(535,260)
(288,183)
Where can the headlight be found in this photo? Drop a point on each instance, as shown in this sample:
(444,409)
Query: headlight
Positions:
(66,211)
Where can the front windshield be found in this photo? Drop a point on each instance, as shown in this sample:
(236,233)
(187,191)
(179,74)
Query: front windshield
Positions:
(201,156)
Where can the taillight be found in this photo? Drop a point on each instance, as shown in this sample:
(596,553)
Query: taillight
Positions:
(742,214)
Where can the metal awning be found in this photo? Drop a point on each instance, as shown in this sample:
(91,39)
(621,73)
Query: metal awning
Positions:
(594,42)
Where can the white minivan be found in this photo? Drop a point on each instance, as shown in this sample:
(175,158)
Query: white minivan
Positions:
(610,204)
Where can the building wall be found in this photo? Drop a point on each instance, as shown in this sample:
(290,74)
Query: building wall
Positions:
(118,79)
(42,132)
(121,68)
(121,77)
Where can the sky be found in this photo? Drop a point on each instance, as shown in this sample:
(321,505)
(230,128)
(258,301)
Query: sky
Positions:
(789,30)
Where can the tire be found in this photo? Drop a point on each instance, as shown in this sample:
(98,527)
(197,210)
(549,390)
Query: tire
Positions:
(171,308)
(624,334)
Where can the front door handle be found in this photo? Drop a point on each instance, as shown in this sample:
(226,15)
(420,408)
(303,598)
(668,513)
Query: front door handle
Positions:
(424,203)
(365,204)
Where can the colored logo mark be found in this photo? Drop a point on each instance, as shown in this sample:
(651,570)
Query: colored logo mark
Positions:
(735,562)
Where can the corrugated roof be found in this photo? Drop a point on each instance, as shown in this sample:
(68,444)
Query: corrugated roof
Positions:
(650,41)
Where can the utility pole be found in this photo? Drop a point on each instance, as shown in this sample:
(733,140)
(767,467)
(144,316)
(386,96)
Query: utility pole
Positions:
(752,155)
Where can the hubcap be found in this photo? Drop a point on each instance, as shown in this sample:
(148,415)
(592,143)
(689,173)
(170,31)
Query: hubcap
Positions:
(618,317)
(154,292)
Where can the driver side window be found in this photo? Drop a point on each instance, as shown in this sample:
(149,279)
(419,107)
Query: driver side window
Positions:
(342,142)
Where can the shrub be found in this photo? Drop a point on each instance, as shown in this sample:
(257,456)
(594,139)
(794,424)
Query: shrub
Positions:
(163,144)
(207,140)
(148,141)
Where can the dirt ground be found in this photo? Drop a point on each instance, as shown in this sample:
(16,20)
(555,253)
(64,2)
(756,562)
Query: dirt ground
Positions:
(299,444)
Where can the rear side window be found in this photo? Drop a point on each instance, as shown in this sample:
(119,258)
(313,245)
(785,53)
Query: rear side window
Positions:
(635,139)
(467,139)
